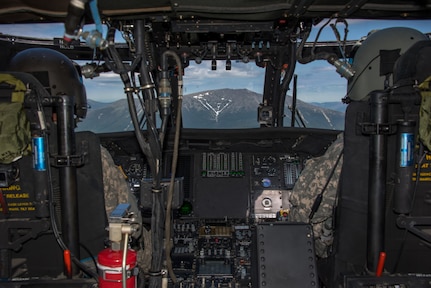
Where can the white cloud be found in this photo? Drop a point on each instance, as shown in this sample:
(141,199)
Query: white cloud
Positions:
(200,77)
(203,70)
(109,75)
(36,30)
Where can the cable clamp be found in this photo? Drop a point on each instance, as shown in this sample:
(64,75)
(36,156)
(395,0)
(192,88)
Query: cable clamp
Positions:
(378,129)
(148,86)
(156,190)
(155,273)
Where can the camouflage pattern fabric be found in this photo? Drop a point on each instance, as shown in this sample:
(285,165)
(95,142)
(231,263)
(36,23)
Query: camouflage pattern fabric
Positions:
(116,191)
(310,183)
(144,255)
(115,187)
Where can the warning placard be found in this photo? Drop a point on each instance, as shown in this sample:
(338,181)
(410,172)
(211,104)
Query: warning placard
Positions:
(15,200)
(424,171)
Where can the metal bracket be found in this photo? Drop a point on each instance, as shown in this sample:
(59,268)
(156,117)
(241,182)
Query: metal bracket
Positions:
(68,160)
(411,223)
(378,129)
(29,229)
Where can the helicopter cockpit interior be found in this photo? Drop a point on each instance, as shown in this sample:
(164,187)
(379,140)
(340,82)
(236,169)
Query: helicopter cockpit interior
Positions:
(176,183)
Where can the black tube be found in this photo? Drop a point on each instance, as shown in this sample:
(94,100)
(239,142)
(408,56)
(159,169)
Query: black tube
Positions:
(148,91)
(68,181)
(119,67)
(285,83)
(313,56)
(174,161)
(377,179)
(301,59)
(154,159)
(149,53)
(294,97)
(404,185)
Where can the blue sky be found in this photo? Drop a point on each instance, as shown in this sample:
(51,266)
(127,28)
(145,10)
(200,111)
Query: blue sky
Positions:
(317,81)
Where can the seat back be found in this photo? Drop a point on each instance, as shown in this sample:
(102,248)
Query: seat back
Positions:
(28,193)
(354,212)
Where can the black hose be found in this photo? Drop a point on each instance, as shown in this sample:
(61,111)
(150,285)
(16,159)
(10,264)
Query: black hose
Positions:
(154,158)
(301,59)
(174,162)
(148,50)
(286,81)
(152,145)
(313,56)
(294,98)
(120,69)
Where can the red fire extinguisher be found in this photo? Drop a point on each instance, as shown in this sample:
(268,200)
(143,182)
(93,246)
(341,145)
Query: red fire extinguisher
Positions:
(110,264)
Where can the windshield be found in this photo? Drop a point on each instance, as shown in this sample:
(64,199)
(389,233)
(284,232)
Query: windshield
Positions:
(222,98)
(217,96)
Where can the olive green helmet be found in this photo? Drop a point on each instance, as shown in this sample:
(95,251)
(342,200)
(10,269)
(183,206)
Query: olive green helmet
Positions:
(367,60)
(57,73)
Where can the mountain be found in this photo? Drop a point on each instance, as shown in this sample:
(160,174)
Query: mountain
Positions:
(337,106)
(222,108)
(316,117)
(103,117)
(96,105)
(237,108)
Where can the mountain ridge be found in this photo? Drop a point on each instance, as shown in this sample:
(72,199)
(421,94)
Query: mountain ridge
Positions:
(211,109)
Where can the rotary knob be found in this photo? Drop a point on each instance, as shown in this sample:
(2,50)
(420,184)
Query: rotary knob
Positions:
(265,182)
(266,202)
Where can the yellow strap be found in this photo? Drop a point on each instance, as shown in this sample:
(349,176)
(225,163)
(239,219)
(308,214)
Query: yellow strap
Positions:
(20,88)
(426,84)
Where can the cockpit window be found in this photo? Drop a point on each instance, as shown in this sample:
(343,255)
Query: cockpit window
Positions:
(222,98)
(223,95)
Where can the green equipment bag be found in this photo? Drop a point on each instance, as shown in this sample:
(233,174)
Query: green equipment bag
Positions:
(15,136)
(412,68)
(425,113)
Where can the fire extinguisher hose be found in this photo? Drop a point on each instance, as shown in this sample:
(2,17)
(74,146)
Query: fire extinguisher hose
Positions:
(123,263)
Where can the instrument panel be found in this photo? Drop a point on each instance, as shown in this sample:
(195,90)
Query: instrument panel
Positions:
(224,200)
(236,185)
